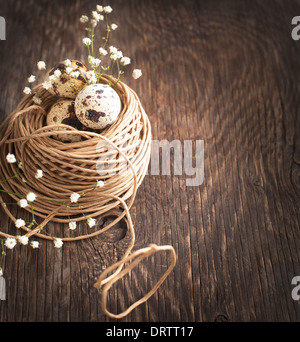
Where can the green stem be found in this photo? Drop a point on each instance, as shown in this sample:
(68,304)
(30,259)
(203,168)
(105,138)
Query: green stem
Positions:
(43,230)
(120,72)
(6,180)
(2,246)
(118,65)
(107,31)
(111,75)
(32,211)
(92,39)
(12,193)
(51,200)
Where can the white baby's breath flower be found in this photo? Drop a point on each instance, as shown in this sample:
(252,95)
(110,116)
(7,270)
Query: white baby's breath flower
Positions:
(87,41)
(137,73)
(27,91)
(58,242)
(39,174)
(52,78)
(116,55)
(10,158)
(91,222)
(31,197)
(103,52)
(67,63)
(97,16)
(91,77)
(95,62)
(36,100)
(107,9)
(113,49)
(22,203)
(114,26)
(72,225)
(47,85)
(125,61)
(99,8)
(94,22)
(84,19)
(69,70)
(20,223)
(99,184)
(10,243)
(75,74)
(31,79)
(23,240)
(34,244)
(74,197)
(57,73)
(41,65)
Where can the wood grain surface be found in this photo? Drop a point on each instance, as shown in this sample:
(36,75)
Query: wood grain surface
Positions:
(226,72)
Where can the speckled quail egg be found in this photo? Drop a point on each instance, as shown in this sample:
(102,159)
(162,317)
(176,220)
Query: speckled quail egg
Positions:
(62,112)
(97,106)
(67,78)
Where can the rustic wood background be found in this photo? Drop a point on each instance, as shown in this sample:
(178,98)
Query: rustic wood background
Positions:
(226,72)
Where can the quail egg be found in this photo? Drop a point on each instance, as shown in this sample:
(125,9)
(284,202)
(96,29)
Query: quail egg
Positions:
(97,106)
(67,79)
(62,112)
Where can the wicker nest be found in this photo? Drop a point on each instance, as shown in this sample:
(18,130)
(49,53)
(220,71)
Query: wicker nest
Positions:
(121,152)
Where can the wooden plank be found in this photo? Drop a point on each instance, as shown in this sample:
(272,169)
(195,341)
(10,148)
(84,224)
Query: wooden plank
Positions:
(225,72)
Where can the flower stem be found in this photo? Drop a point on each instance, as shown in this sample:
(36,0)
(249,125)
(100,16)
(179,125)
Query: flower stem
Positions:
(2,246)
(111,75)
(92,39)
(6,180)
(32,211)
(12,193)
(51,200)
(107,31)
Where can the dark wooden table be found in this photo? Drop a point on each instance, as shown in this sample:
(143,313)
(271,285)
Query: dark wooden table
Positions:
(226,72)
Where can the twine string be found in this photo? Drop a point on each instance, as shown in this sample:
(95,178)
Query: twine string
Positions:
(137,257)
(72,167)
